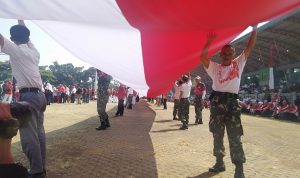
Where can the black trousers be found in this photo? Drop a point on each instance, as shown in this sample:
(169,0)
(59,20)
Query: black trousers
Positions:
(120,108)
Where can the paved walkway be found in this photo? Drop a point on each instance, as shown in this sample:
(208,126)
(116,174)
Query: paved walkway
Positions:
(146,143)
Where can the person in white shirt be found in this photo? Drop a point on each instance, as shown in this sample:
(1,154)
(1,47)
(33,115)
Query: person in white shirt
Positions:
(49,93)
(24,61)
(185,91)
(73,94)
(225,110)
(177,86)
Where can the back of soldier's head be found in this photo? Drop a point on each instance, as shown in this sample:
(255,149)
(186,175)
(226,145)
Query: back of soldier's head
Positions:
(19,34)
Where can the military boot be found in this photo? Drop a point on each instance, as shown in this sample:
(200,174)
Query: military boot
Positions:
(239,171)
(102,126)
(184,127)
(219,166)
(197,121)
(107,123)
(200,121)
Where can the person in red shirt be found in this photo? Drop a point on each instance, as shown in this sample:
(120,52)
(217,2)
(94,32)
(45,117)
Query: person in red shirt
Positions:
(291,113)
(8,92)
(121,94)
(62,91)
(267,109)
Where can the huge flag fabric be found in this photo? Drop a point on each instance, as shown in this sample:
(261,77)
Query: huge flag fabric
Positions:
(146,44)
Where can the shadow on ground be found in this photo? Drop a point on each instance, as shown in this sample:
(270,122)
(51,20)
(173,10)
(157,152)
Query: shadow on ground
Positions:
(204,175)
(124,150)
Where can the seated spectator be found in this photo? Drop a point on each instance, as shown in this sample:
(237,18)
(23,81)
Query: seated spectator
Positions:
(266,109)
(254,108)
(284,108)
(276,110)
(297,103)
(291,113)
(244,105)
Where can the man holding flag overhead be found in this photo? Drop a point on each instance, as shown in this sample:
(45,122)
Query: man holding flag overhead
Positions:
(225,110)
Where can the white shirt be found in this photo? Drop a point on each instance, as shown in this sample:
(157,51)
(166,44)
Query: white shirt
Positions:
(186,89)
(73,90)
(177,91)
(67,91)
(130,91)
(49,87)
(227,78)
(24,61)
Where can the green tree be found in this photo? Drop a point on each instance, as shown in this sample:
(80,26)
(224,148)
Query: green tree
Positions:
(66,73)
(5,71)
(46,74)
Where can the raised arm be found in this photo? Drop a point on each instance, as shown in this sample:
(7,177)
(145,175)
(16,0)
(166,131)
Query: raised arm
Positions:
(203,57)
(1,41)
(251,41)
(21,22)
(189,75)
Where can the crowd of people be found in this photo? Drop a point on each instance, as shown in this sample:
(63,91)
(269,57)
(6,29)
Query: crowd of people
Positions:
(68,94)
(278,107)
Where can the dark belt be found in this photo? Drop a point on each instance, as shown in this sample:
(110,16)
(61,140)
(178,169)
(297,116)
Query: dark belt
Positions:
(223,95)
(25,90)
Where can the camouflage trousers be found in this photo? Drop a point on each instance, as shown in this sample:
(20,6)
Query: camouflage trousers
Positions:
(101,109)
(176,108)
(226,112)
(198,103)
(184,107)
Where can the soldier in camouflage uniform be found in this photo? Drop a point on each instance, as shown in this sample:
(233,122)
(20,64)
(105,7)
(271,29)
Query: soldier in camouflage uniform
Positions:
(199,91)
(225,110)
(184,104)
(103,84)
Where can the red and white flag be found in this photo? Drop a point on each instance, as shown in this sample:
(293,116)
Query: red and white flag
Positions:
(146,44)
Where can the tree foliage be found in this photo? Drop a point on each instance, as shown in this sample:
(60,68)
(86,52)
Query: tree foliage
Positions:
(57,74)
(5,71)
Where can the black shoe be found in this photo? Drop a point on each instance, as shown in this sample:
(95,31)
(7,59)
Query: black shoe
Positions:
(200,121)
(239,171)
(183,127)
(174,118)
(107,124)
(37,175)
(218,167)
(102,126)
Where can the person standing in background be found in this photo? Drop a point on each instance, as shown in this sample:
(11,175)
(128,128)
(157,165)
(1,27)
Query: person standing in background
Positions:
(200,91)
(103,95)
(176,99)
(185,91)
(121,94)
